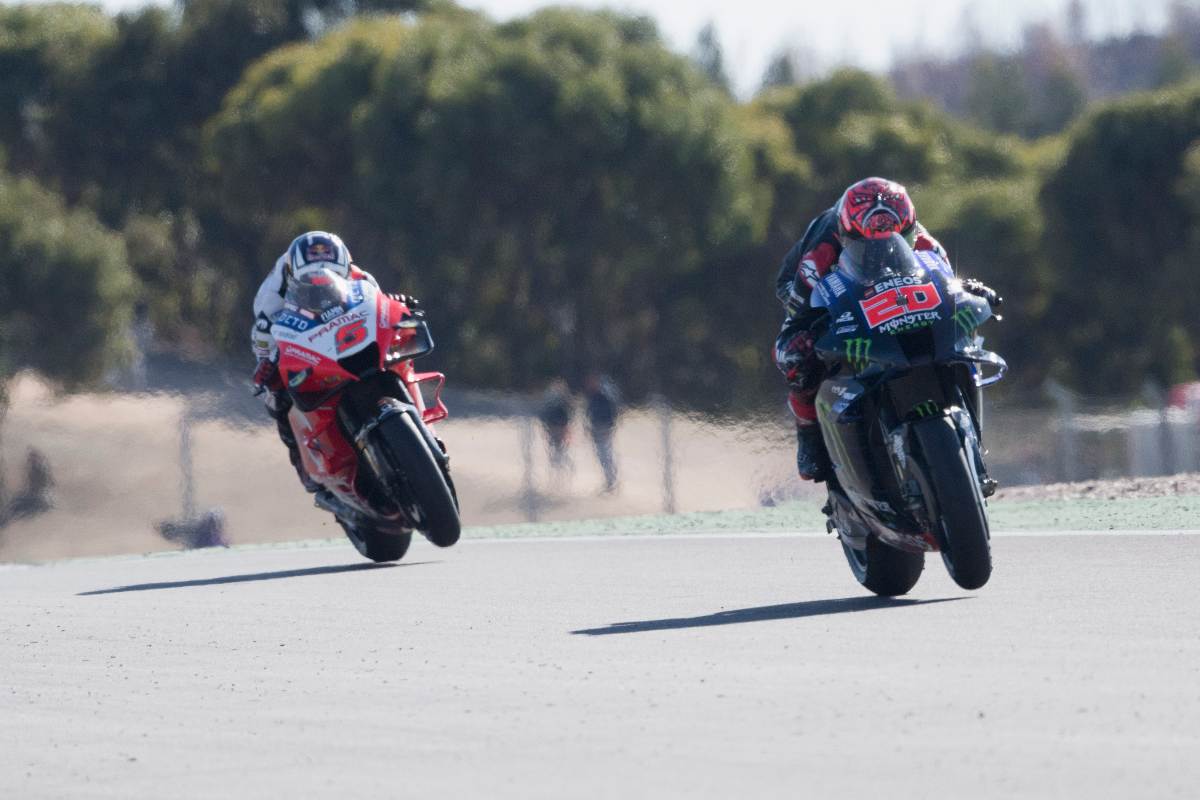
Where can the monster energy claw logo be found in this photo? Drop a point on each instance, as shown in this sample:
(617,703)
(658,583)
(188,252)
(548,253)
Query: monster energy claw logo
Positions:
(966,320)
(925,409)
(858,353)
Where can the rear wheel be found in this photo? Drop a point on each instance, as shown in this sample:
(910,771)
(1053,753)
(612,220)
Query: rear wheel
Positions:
(955,502)
(376,544)
(434,509)
(884,570)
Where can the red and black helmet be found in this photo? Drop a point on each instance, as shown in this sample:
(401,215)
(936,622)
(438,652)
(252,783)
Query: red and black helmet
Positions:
(875,208)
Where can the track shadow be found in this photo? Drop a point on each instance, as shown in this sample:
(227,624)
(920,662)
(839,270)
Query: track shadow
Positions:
(810,608)
(248,578)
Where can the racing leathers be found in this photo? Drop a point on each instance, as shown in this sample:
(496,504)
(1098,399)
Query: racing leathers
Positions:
(267,303)
(810,260)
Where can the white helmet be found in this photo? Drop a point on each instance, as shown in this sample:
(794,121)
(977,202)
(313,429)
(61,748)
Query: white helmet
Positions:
(318,250)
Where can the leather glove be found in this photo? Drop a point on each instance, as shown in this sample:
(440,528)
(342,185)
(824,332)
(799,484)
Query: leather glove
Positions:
(980,289)
(408,300)
(266,376)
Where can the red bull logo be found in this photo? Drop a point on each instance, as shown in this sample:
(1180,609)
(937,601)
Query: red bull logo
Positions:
(320,251)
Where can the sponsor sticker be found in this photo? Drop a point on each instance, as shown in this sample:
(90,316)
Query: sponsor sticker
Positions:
(301,354)
(846,395)
(287,319)
(909,322)
(335,324)
(902,280)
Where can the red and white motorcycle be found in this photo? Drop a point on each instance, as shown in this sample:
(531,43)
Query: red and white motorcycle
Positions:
(359,413)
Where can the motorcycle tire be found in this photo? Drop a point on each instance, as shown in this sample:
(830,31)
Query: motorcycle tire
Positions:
(884,570)
(955,502)
(435,511)
(375,544)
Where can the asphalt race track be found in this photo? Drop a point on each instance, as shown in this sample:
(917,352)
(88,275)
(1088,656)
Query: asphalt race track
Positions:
(677,666)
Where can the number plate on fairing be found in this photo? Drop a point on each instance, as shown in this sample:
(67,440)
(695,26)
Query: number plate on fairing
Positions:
(896,307)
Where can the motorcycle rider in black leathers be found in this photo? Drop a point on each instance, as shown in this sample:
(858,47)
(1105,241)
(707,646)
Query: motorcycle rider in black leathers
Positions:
(869,209)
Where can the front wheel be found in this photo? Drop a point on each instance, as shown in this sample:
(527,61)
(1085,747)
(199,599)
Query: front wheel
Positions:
(433,508)
(375,544)
(884,570)
(955,502)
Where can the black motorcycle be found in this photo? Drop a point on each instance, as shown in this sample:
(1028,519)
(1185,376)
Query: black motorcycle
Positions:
(900,412)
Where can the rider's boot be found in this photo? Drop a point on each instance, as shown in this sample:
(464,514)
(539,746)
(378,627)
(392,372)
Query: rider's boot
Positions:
(812,459)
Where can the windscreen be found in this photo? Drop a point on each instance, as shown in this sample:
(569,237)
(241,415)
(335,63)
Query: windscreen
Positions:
(871,260)
(318,291)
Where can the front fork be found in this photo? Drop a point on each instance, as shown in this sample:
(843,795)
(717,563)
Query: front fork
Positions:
(967,422)
(365,443)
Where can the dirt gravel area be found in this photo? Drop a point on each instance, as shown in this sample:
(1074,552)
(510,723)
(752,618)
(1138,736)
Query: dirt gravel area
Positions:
(116,463)
(1115,489)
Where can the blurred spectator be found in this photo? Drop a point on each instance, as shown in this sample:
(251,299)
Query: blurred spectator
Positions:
(1184,395)
(36,498)
(555,415)
(603,406)
(207,530)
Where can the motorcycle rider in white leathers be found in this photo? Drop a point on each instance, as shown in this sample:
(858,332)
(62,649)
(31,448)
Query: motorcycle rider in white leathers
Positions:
(309,252)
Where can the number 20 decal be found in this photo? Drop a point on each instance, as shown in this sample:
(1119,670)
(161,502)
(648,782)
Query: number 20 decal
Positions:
(351,334)
(900,301)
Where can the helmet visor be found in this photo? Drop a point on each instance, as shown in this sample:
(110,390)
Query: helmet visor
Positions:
(318,291)
(872,260)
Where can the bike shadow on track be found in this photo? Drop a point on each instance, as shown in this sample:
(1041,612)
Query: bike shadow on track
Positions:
(809,608)
(250,577)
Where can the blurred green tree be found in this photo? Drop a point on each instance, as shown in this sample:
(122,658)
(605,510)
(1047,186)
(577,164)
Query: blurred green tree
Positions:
(1175,63)
(710,57)
(780,71)
(554,183)
(108,112)
(998,97)
(567,192)
(1060,99)
(67,290)
(1121,222)
(851,126)
(44,50)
